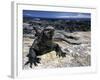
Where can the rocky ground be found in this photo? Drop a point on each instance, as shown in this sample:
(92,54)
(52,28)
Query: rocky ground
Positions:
(77,55)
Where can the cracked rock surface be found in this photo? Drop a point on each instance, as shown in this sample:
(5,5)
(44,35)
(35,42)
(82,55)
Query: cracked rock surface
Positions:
(76,55)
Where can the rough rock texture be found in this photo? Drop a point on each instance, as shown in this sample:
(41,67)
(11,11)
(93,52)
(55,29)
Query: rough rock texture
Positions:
(76,55)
